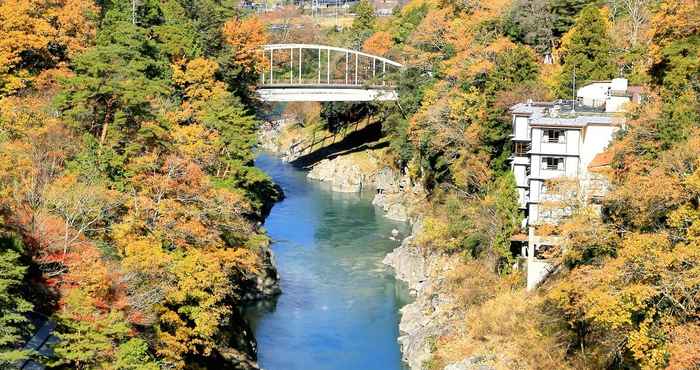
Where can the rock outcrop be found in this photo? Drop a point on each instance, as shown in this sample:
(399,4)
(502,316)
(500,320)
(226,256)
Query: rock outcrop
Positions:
(471,363)
(421,320)
(265,283)
(343,173)
(365,171)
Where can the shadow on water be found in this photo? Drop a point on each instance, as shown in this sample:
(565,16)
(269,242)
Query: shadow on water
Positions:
(339,307)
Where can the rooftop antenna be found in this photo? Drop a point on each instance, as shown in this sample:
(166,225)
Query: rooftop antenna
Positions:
(573,93)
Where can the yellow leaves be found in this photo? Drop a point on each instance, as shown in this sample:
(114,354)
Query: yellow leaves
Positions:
(76,28)
(246,37)
(647,345)
(500,45)
(638,297)
(197,142)
(675,19)
(436,234)
(414,4)
(20,30)
(195,306)
(550,75)
(144,254)
(21,116)
(197,77)
(686,220)
(613,310)
(471,171)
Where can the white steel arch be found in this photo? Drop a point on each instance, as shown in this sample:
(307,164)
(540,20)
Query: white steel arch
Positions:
(332,48)
(293,85)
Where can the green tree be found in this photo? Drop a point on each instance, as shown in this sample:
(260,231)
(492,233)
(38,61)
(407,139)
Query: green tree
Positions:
(134,355)
(586,50)
(531,22)
(565,13)
(88,337)
(363,24)
(13,306)
(114,82)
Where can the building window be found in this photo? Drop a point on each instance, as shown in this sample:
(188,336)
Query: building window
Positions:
(554,136)
(521,149)
(553,163)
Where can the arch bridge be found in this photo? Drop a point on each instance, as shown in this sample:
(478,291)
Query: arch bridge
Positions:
(305,72)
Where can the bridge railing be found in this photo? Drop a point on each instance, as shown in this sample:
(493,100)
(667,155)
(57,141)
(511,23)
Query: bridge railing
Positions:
(306,64)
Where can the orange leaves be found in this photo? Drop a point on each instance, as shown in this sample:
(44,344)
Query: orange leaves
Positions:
(21,29)
(378,44)
(178,206)
(75,23)
(685,347)
(246,38)
(32,25)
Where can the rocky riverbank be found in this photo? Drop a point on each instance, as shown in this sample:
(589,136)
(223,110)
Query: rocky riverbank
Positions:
(367,171)
(433,312)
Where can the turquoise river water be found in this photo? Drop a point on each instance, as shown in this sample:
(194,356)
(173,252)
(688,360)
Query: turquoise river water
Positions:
(339,307)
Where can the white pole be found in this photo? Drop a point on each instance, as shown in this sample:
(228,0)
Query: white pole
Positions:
(383,73)
(272,77)
(328,68)
(299,66)
(357,63)
(347,66)
(291,66)
(319,65)
(374,67)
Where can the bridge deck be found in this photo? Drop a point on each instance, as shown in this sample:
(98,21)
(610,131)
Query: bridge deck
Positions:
(324,93)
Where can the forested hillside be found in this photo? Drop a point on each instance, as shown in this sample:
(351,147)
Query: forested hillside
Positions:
(128,201)
(627,286)
(129,206)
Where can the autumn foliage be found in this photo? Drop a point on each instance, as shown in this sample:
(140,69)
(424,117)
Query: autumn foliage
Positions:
(126,171)
(246,37)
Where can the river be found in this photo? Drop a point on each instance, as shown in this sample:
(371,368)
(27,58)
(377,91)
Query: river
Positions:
(339,307)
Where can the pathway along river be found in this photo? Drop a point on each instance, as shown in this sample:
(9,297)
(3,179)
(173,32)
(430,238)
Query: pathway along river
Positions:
(339,308)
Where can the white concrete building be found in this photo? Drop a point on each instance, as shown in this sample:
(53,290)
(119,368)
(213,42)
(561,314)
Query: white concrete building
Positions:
(560,140)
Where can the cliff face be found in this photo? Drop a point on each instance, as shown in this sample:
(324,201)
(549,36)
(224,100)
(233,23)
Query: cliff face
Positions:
(428,316)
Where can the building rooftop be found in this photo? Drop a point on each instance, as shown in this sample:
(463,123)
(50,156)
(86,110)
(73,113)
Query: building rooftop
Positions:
(601,161)
(563,113)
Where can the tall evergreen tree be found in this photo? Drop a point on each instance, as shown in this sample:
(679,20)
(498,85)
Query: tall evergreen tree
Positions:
(565,12)
(12,305)
(587,50)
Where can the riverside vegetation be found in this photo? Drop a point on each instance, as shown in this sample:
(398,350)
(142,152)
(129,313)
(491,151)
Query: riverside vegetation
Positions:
(129,202)
(627,286)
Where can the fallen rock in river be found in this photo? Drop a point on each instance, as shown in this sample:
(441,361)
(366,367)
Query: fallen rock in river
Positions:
(343,173)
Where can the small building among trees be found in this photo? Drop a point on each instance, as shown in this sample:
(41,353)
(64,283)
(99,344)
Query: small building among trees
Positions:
(558,152)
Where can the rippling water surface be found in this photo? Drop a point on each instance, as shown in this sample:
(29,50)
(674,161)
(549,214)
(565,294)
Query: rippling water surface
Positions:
(339,306)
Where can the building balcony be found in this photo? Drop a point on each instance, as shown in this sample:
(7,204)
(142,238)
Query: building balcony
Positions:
(520,161)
